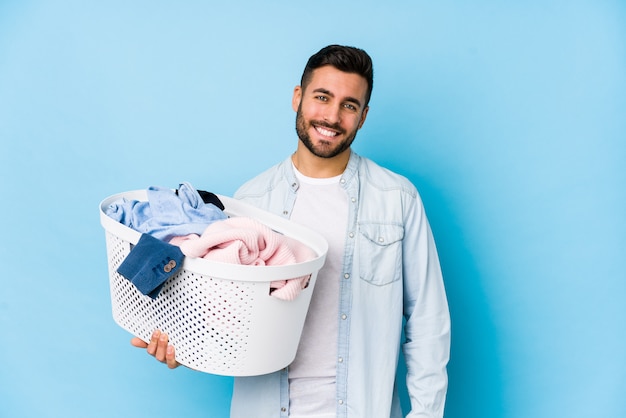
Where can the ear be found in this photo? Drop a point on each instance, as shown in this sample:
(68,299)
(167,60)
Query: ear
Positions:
(297,98)
(363,116)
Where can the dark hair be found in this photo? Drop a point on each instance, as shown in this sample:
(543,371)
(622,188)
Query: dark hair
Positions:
(344,58)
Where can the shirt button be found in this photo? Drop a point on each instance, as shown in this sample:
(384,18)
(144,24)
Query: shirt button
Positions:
(346,276)
(340,359)
(285,212)
(342,181)
(381,239)
(340,401)
(351,234)
(353,199)
(283,409)
(344,317)
(169,266)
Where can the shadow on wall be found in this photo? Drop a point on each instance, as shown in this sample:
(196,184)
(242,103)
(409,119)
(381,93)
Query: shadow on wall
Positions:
(475,372)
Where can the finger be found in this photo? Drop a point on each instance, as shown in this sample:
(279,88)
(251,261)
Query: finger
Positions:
(161,348)
(138,342)
(154,341)
(170,357)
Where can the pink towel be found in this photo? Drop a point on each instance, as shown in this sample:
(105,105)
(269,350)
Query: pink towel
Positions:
(243,240)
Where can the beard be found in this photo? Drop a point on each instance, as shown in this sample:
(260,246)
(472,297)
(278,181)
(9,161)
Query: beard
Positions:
(325,149)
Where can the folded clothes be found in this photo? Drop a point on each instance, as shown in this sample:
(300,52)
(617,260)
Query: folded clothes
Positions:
(167,213)
(243,240)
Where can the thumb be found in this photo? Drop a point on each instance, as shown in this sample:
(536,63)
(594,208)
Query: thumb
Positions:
(138,342)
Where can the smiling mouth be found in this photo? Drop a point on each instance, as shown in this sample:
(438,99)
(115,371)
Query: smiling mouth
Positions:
(328,133)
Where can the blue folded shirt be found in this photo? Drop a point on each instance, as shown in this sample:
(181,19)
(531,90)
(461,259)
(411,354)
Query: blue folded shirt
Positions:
(167,213)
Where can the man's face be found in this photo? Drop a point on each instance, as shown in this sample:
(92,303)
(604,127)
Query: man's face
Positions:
(330,111)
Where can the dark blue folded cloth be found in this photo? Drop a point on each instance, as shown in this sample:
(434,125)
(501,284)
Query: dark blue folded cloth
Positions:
(150,263)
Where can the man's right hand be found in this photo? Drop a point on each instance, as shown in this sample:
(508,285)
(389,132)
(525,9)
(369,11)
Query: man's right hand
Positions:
(159,348)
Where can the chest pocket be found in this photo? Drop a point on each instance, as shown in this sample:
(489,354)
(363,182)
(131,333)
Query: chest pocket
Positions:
(380,252)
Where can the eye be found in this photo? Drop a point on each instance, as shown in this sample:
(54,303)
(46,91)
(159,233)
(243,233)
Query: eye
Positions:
(322,98)
(350,106)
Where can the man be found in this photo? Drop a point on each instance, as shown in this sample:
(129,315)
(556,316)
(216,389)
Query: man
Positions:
(382,266)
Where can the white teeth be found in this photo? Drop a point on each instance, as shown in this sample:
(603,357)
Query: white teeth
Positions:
(325,132)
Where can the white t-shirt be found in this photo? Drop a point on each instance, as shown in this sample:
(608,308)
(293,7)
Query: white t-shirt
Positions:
(322,205)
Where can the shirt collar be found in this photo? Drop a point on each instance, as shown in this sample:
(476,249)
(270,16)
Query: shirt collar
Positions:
(346,178)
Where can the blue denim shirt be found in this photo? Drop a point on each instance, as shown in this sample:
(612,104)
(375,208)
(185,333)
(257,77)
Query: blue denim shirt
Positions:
(391,277)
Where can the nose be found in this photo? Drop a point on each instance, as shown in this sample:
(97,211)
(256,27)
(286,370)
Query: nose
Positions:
(332,114)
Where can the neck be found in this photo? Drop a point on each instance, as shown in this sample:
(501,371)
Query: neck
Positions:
(317,167)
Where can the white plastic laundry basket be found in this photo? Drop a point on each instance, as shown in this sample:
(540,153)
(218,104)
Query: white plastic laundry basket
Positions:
(220,317)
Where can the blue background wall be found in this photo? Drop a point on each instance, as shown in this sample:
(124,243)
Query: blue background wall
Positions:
(509,117)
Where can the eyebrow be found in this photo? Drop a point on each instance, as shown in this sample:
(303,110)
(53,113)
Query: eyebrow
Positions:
(329,93)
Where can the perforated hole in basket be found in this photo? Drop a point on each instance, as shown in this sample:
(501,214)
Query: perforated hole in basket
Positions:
(207,319)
